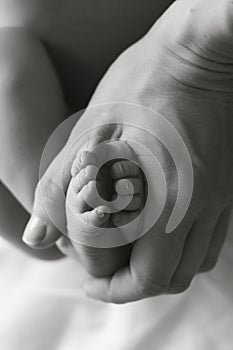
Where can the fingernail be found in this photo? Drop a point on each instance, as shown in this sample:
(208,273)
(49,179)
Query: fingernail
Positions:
(35,231)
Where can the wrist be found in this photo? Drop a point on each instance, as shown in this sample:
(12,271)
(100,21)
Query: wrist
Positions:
(208,24)
(193,41)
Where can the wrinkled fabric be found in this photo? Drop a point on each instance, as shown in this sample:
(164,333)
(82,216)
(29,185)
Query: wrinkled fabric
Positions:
(43,307)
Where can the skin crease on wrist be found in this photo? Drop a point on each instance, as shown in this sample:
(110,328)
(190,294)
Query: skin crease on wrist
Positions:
(188,24)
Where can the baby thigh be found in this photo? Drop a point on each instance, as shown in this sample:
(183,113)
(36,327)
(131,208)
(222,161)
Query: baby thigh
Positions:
(31,106)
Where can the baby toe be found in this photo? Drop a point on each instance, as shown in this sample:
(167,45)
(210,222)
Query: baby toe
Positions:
(86,199)
(123,169)
(128,186)
(96,217)
(89,193)
(83,159)
(85,175)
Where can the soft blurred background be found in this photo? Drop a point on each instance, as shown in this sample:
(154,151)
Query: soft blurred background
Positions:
(43,307)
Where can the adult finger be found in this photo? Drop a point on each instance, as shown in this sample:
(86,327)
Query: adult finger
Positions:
(195,248)
(217,242)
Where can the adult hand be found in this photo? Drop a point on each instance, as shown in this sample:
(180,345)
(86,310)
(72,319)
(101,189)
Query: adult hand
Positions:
(182,69)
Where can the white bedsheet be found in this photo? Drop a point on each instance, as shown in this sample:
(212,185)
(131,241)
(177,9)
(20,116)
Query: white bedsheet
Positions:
(42,307)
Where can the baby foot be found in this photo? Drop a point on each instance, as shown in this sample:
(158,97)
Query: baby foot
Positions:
(119,184)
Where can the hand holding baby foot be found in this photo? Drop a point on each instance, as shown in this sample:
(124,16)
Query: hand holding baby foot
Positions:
(183,70)
(120,186)
(183,74)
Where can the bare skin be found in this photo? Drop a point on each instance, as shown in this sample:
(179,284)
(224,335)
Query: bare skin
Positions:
(194,98)
(82,37)
(178,282)
(79,75)
(84,220)
(32,107)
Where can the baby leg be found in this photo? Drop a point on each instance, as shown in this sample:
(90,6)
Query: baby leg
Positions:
(31,106)
(85,215)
